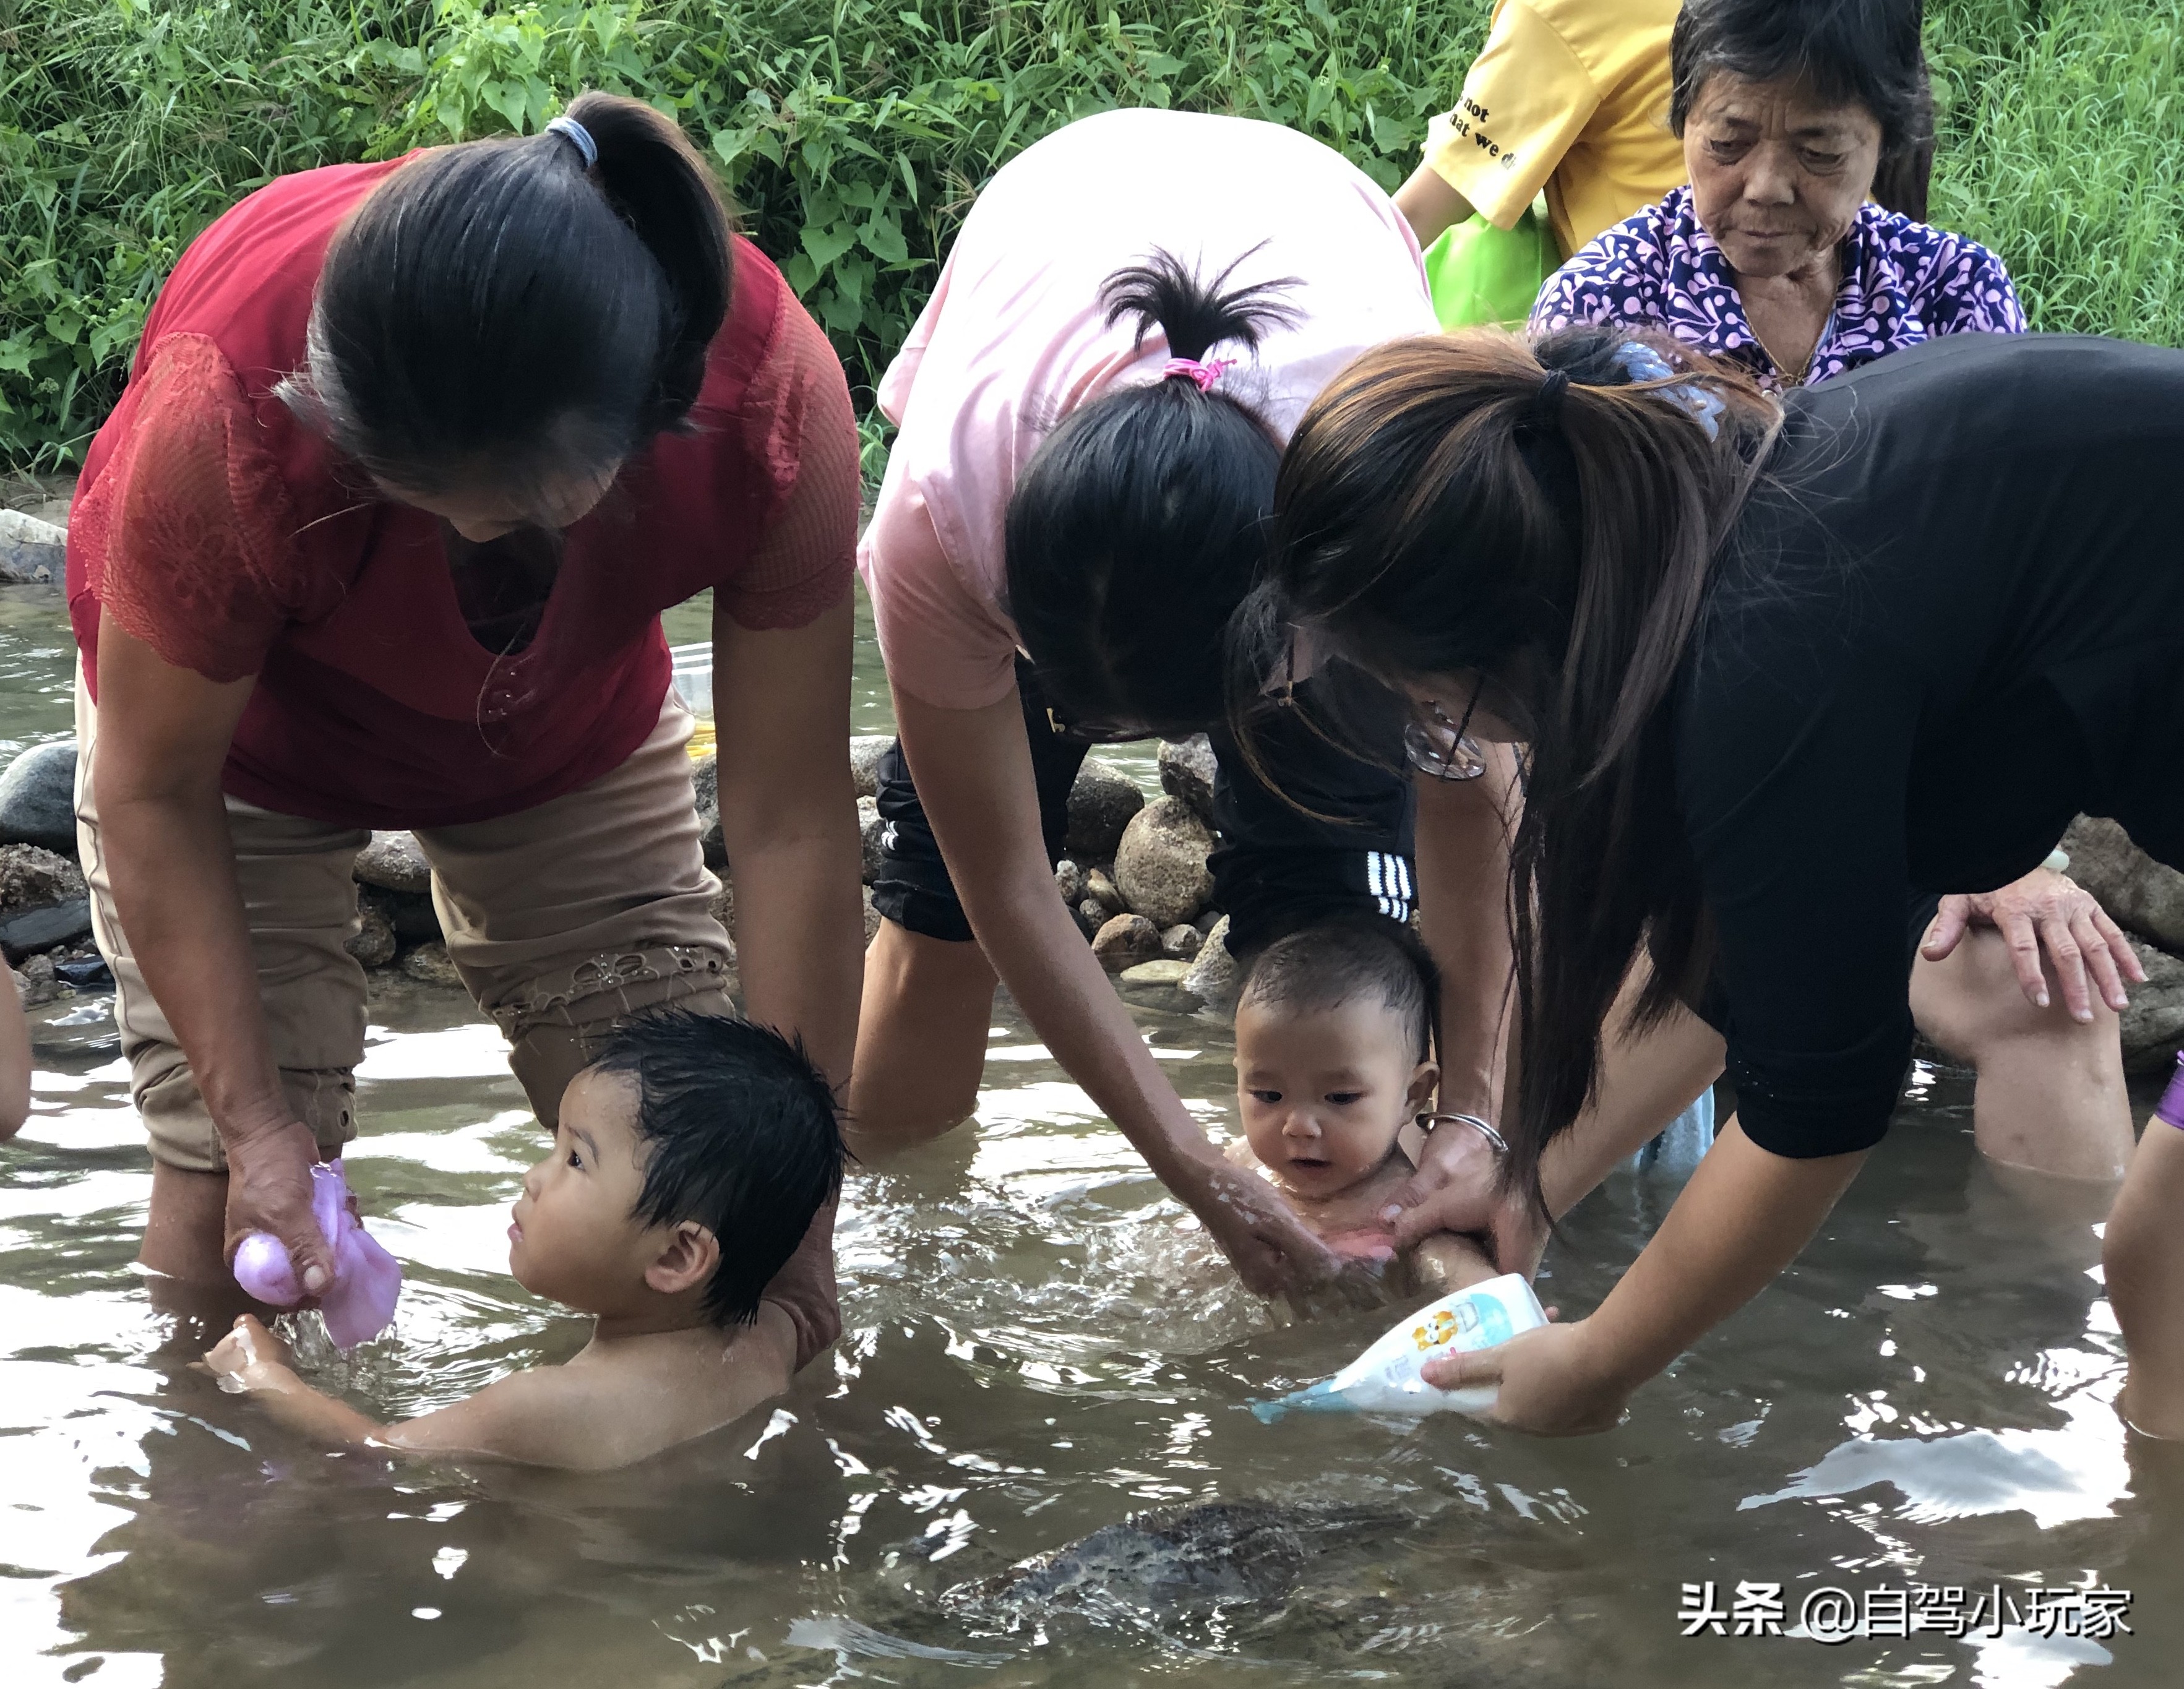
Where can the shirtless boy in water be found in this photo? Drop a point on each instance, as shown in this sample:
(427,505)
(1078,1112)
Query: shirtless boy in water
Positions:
(1334,1066)
(690,1160)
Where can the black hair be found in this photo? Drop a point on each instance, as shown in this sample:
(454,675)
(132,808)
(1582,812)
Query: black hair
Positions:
(742,1136)
(1335,962)
(1532,519)
(500,314)
(1139,524)
(1863,51)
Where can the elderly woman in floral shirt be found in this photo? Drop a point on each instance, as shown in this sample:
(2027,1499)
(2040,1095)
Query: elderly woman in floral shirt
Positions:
(1774,258)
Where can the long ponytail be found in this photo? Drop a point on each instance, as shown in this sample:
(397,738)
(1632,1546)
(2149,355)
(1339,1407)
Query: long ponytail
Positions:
(505,312)
(1139,524)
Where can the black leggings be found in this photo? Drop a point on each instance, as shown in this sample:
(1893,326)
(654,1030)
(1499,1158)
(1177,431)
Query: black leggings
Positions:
(1278,868)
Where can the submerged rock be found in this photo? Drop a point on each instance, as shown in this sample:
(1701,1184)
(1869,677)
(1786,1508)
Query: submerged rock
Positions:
(1216,1552)
(37,798)
(1163,971)
(1187,768)
(2137,891)
(1125,941)
(1212,978)
(31,549)
(1160,867)
(1101,806)
(394,861)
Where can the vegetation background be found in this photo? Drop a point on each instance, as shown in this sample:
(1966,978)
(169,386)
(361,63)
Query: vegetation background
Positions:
(854,133)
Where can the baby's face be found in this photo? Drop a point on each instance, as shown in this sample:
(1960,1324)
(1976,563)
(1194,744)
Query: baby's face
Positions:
(575,1237)
(1324,1093)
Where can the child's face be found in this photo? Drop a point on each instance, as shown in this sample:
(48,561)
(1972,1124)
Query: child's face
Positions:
(1324,1093)
(575,1237)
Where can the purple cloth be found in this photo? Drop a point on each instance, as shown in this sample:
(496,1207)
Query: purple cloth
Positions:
(1904,282)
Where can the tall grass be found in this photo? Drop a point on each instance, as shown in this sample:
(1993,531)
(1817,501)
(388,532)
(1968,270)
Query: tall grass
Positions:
(856,132)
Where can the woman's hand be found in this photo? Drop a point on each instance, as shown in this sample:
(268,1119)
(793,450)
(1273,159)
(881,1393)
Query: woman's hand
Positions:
(1271,1250)
(1552,1382)
(269,1190)
(2046,911)
(1456,1188)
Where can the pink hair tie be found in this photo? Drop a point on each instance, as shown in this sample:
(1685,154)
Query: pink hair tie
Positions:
(2171,1106)
(1205,374)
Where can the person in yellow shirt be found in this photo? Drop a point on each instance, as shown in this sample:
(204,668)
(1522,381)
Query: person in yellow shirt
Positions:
(1568,95)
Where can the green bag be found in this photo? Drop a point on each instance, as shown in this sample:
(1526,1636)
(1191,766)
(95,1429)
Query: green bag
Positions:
(1479,274)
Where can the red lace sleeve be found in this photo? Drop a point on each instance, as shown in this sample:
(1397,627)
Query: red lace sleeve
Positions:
(798,421)
(198,561)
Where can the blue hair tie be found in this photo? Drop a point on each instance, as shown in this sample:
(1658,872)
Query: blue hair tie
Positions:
(1642,363)
(576,136)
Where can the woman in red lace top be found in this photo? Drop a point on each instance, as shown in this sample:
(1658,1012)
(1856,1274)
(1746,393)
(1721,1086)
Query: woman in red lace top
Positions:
(412,456)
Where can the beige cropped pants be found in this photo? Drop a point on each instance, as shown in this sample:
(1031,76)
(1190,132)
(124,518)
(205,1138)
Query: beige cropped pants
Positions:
(563,920)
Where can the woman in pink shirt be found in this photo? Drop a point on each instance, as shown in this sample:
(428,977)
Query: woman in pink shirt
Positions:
(1092,408)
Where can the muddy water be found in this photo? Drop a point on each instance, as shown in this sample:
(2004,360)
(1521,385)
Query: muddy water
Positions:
(1038,1347)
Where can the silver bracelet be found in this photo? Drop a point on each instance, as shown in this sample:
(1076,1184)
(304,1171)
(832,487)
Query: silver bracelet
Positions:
(1428,1122)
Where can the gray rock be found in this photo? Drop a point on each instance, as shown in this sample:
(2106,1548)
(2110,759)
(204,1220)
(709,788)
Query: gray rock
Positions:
(865,750)
(373,942)
(34,930)
(430,965)
(39,983)
(1092,915)
(2153,1027)
(2138,892)
(1160,867)
(705,787)
(31,878)
(37,798)
(1212,976)
(722,908)
(1186,771)
(1162,973)
(1101,806)
(1100,888)
(870,829)
(1182,943)
(31,549)
(1069,880)
(394,861)
(1125,941)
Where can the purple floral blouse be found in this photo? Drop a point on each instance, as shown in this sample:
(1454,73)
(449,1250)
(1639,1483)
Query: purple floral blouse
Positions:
(1904,282)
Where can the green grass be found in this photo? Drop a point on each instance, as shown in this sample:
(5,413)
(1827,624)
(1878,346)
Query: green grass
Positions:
(855,134)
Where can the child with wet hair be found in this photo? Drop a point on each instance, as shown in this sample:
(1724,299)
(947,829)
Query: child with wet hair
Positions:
(690,1160)
(1334,1067)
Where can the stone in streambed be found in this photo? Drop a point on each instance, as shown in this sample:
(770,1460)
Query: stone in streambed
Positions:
(430,965)
(1162,973)
(1160,867)
(865,750)
(871,832)
(2152,1028)
(2137,891)
(1100,888)
(706,791)
(394,861)
(1187,768)
(1125,941)
(30,878)
(1091,915)
(43,929)
(1212,977)
(31,550)
(1182,943)
(373,943)
(1069,879)
(1101,806)
(37,798)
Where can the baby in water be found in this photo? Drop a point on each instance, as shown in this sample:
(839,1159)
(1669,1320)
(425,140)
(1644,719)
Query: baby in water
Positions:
(1334,1066)
(690,1162)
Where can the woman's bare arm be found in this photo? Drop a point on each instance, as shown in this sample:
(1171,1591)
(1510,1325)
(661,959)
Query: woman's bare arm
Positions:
(163,739)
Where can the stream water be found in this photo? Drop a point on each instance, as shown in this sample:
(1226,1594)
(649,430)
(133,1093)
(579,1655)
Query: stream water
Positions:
(1037,1346)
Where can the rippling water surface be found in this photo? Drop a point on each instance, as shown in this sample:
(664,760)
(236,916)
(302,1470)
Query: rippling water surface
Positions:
(1038,1347)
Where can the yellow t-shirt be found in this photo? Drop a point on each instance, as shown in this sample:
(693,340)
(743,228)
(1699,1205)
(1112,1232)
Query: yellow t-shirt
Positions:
(1571,96)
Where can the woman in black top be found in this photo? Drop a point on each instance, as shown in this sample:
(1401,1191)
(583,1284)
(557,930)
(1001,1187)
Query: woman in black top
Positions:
(1785,672)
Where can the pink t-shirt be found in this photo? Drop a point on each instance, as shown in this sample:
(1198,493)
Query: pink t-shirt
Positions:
(1013,341)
